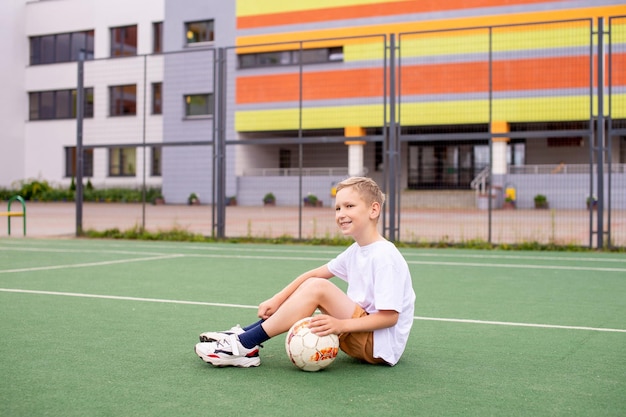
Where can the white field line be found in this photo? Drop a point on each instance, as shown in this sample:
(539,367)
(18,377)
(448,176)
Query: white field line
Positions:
(317,251)
(73,250)
(243,306)
(520,266)
(324,260)
(88,264)
(506,323)
(123,298)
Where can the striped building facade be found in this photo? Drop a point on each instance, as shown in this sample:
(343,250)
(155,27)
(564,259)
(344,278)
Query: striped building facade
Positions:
(462,66)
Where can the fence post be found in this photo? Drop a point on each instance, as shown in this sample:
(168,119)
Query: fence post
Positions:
(600,135)
(220,162)
(392,142)
(80,98)
(490,182)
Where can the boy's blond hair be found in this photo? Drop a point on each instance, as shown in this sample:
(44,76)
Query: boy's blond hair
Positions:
(366,187)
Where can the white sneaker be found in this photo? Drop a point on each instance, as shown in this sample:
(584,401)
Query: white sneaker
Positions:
(215,336)
(228,352)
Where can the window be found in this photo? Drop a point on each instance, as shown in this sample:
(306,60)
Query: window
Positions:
(284,158)
(445,164)
(155,166)
(379,160)
(197,32)
(71,162)
(124,41)
(199,105)
(122,162)
(568,142)
(63,47)
(82,42)
(516,153)
(156,98)
(307,56)
(63,104)
(157,37)
(59,104)
(123,100)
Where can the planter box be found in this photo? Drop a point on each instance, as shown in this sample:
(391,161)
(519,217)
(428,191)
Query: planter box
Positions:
(508,205)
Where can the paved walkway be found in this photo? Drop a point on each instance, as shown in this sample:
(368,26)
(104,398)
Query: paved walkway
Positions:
(59,219)
(421,225)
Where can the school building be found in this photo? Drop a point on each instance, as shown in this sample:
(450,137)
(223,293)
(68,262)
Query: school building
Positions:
(451,95)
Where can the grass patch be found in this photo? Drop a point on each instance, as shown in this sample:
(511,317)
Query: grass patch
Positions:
(182,235)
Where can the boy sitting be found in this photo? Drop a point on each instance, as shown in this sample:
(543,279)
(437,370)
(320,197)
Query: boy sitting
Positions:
(373,318)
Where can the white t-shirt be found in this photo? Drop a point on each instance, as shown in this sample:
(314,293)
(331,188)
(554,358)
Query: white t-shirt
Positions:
(378,278)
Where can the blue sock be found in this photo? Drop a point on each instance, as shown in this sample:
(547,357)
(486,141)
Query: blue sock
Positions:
(253,337)
(253,325)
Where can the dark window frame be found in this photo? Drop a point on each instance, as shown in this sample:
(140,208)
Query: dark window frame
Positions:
(290,57)
(122,168)
(122,102)
(45,105)
(156,158)
(71,162)
(157,37)
(157,98)
(199,32)
(123,46)
(51,49)
(193,106)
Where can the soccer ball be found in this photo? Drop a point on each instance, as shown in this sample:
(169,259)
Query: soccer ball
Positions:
(308,351)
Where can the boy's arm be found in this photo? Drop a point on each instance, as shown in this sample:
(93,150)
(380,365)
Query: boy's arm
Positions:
(269,307)
(323,324)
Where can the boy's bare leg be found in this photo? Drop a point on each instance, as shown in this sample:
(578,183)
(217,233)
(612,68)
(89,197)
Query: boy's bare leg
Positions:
(312,294)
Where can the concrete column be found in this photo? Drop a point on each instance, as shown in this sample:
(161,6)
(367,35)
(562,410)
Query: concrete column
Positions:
(355,150)
(499,148)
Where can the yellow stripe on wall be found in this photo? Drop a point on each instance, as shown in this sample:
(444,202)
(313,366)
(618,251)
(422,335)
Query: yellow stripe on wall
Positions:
(511,110)
(312,118)
(260,7)
(429,113)
(476,42)
(364,52)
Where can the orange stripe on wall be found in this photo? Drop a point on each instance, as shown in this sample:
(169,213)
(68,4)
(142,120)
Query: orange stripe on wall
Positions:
(460,78)
(316,86)
(407,27)
(619,70)
(372,10)
(469,77)
(513,75)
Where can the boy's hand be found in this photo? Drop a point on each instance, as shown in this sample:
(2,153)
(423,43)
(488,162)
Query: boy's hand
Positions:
(323,325)
(267,308)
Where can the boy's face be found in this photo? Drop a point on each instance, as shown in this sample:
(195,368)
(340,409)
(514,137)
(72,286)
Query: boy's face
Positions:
(352,214)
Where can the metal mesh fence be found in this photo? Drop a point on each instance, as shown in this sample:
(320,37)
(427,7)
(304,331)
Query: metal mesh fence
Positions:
(485,119)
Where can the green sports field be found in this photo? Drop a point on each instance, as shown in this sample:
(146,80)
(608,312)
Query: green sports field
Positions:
(107,328)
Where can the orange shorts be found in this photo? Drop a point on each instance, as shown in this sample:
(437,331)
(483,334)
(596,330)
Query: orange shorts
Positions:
(359,345)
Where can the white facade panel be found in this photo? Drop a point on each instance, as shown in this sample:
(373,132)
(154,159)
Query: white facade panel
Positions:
(13,105)
(38,147)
